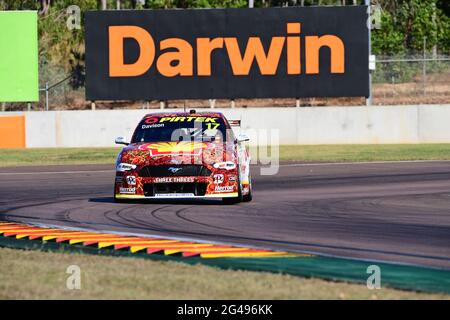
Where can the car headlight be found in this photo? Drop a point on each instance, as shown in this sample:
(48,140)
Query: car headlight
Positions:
(227,165)
(122,167)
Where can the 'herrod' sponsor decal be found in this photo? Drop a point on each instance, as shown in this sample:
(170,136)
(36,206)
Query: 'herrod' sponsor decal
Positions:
(127,190)
(224,188)
(227,53)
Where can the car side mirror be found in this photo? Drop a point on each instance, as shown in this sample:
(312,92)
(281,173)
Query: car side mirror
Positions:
(121,140)
(242,138)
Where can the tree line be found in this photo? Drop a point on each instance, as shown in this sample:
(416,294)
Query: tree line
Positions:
(402,27)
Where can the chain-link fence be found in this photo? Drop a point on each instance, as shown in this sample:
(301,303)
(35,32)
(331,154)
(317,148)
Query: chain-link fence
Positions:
(397,80)
(411,79)
(55,89)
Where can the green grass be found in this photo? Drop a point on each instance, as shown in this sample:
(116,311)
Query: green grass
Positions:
(42,275)
(307,153)
(51,156)
(364,152)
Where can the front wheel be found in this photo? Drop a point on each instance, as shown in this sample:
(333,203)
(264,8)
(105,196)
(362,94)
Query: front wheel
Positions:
(248,197)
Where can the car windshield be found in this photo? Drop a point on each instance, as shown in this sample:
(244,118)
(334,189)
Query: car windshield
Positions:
(156,128)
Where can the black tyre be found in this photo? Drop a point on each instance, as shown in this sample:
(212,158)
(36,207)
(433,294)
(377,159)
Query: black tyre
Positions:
(248,197)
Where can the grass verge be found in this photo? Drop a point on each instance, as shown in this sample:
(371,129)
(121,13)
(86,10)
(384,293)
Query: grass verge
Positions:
(55,156)
(307,153)
(42,275)
(365,152)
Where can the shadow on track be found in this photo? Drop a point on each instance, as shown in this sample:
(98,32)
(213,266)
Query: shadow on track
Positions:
(158,201)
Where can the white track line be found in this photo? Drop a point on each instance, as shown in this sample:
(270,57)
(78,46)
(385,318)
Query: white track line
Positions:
(359,162)
(281,165)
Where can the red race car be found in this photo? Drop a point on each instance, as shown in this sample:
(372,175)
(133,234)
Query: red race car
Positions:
(184,155)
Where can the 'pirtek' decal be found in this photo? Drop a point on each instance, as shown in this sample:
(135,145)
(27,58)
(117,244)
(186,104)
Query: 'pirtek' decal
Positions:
(155,119)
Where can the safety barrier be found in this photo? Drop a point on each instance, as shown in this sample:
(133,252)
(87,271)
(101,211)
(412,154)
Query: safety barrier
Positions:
(12,131)
(310,125)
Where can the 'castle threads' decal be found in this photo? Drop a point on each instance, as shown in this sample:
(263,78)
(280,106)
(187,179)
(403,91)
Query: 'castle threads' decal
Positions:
(232,53)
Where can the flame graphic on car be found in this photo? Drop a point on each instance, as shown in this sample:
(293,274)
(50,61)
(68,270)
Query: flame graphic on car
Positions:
(171,148)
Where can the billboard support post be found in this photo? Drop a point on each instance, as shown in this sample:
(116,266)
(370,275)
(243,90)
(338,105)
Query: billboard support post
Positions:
(369,26)
(46,89)
(46,96)
(424,65)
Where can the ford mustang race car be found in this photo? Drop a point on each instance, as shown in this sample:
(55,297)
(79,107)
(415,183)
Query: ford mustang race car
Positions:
(184,155)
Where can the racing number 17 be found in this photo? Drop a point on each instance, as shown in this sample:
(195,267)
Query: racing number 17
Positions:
(212,126)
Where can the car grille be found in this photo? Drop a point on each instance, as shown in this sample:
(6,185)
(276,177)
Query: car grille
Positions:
(174,171)
(198,189)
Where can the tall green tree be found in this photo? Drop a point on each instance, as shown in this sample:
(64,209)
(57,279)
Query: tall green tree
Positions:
(406,23)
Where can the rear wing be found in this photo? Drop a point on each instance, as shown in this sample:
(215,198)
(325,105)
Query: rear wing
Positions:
(234,123)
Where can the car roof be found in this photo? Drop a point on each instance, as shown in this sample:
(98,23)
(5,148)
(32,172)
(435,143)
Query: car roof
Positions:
(186,114)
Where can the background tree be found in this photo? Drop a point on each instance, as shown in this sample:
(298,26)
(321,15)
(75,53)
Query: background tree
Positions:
(404,24)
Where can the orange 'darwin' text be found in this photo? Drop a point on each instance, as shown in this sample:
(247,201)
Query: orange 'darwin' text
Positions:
(179,59)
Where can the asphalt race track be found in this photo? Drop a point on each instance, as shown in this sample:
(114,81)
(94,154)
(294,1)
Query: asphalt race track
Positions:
(397,212)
